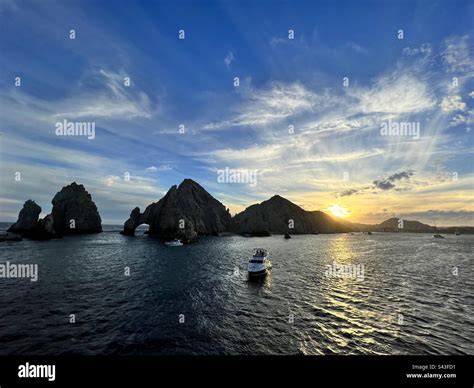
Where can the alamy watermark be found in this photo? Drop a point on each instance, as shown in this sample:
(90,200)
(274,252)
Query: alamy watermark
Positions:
(75,128)
(14,271)
(345,271)
(239,175)
(400,128)
(37,371)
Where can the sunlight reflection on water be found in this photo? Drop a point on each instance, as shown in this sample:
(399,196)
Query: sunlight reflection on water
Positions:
(407,303)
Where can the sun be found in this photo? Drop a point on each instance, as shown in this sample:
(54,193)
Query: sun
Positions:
(339,211)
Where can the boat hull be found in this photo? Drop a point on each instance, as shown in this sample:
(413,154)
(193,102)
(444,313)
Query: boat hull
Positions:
(174,244)
(263,272)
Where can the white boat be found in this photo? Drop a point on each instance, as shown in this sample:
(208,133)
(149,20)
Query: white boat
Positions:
(437,236)
(259,264)
(174,243)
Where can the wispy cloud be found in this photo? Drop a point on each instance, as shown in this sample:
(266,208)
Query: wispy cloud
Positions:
(397,93)
(229,58)
(357,48)
(109,99)
(456,54)
(115,100)
(425,50)
(271,105)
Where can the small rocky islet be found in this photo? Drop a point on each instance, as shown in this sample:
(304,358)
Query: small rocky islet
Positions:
(186,212)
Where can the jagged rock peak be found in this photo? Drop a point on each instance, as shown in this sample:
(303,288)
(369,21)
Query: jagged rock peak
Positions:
(189,183)
(186,211)
(27,218)
(74,211)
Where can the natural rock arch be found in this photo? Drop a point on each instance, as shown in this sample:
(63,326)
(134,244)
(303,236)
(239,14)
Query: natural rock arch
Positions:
(186,211)
(134,221)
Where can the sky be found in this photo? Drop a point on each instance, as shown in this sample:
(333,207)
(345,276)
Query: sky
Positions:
(294,94)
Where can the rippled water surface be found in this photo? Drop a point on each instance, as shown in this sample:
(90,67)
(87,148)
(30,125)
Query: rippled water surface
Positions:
(408,303)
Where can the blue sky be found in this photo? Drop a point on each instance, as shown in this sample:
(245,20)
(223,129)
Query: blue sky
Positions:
(335,155)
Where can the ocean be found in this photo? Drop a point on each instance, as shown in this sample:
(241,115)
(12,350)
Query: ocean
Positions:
(412,295)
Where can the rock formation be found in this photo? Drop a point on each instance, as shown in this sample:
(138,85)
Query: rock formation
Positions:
(45,229)
(4,237)
(74,212)
(27,219)
(186,211)
(280,216)
(134,221)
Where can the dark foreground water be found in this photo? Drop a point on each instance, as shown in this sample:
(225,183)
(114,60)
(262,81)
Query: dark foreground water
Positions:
(408,303)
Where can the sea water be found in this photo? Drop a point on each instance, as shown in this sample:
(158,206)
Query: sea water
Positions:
(133,295)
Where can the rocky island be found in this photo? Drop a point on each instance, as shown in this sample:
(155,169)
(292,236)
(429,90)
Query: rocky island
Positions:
(27,223)
(73,212)
(186,212)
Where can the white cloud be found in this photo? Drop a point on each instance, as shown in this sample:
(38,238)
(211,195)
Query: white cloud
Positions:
(398,94)
(452,104)
(466,118)
(341,122)
(364,108)
(162,167)
(271,105)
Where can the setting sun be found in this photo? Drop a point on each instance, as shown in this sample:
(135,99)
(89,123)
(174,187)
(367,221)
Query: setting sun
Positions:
(338,211)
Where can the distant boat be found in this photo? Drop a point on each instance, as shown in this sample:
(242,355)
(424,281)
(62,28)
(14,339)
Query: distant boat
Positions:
(287,236)
(369,233)
(174,243)
(437,236)
(457,233)
(259,264)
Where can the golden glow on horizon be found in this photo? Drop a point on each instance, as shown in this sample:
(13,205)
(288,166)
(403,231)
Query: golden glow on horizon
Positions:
(338,211)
